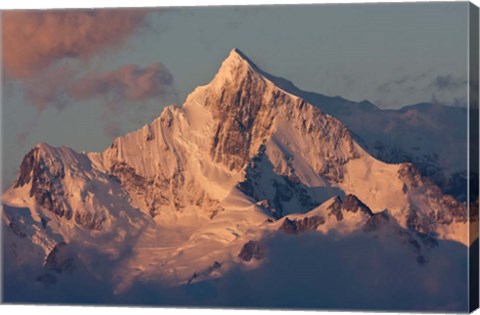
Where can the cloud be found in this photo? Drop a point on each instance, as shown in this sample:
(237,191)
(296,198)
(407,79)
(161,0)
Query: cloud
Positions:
(119,91)
(449,82)
(401,82)
(46,51)
(34,40)
(309,271)
(446,89)
(61,86)
(129,82)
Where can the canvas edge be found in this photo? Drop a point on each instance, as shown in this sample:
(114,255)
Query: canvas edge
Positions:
(473,154)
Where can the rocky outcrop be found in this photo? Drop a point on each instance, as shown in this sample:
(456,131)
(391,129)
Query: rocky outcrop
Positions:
(352,204)
(301,225)
(376,221)
(45,173)
(442,209)
(92,221)
(252,250)
(128,177)
(243,116)
(26,168)
(335,209)
(428,241)
(17,230)
(205,273)
(246,106)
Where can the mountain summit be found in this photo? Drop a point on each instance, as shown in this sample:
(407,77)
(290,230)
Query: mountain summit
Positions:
(189,196)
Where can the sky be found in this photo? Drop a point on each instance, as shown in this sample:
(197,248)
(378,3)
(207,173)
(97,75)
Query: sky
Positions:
(80,78)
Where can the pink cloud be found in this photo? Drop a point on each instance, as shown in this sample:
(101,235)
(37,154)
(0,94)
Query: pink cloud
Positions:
(60,86)
(118,90)
(34,40)
(42,49)
(129,82)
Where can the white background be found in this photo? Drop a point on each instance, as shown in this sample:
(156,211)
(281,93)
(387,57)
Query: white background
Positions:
(54,310)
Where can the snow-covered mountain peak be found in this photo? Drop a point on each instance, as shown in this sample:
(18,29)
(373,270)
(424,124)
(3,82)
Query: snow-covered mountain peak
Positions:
(236,73)
(54,161)
(233,70)
(235,60)
(241,157)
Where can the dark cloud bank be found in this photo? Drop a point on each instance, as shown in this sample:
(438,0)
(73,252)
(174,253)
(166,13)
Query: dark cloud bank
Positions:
(302,272)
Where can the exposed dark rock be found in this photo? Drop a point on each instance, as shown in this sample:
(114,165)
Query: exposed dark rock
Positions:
(251,250)
(92,221)
(44,222)
(26,168)
(166,118)
(353,204)
(421,224)
(17,230)
(45,175)
(245,109)
(238,114)
(458,210)
(450,210)
(335,209)
(153,211)
(411,174)
(153,190)
(428,241)
(206,272)
(128,176)
(301,225)
(376,221)
(215,212)
(149,134)
(193,277)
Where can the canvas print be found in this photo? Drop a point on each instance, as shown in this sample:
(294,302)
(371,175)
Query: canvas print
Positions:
(284,157)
